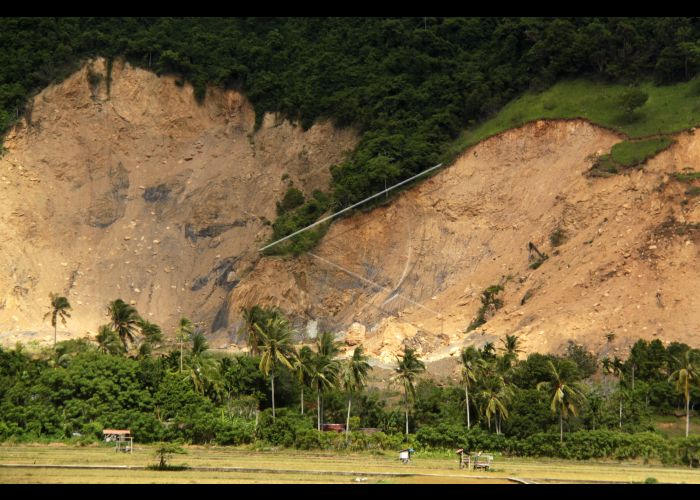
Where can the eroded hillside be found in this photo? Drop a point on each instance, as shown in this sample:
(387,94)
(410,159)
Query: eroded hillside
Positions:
(628,263)
(138,192)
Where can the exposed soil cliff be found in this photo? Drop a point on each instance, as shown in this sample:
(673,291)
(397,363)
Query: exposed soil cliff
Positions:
(628,263)
(143,194)
(138,192)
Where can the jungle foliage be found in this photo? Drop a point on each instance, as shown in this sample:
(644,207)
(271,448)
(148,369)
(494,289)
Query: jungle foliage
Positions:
(409,85)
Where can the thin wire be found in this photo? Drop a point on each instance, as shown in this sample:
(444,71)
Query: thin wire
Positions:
(373,283)
(350,207)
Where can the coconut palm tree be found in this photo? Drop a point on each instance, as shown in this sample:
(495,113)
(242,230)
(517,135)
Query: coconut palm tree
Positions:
(687,375)
(328,348)
(407,371)
(510,349)
(125,319)
(183,333)
(58,309)
(566,396)
(152,335)
(303,368)
(323,373)
(488,351)
(355,378)
(202,369)
(472,366)
(152,332)
(616,368)
(275,347)
(251,316)
(494,398)
(108,340)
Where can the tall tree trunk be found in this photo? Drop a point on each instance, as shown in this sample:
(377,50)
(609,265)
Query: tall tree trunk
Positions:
(55,329)
(632,377)
(687,417)
(318,408)
(302,400)
(561,426)
(347,422)
(620,411)
(466,391)
(273,393)
(405,399)
(180,356)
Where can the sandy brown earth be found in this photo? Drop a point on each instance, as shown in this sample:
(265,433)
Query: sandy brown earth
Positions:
(624,267)
(144,194)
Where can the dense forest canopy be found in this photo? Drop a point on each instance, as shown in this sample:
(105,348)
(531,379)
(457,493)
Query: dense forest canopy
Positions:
(408,84)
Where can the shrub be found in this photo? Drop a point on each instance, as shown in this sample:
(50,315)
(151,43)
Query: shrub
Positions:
(163,452)
(632,99)
(236,431)
(557,237)
(489,303)
(283,430)
(293,198)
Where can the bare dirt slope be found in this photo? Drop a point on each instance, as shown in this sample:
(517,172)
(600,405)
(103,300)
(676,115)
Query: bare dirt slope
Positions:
(629,264)
(143,194)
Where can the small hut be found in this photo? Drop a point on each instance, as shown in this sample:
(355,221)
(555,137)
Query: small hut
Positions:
(122,438)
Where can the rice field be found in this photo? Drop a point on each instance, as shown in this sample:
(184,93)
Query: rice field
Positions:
(60,463)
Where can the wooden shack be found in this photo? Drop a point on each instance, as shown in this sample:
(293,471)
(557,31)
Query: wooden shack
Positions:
(122,438)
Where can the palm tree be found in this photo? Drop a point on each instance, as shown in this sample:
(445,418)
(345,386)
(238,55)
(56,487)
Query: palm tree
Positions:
(276,346)
(407,372)
(202,369)
(303,368)
(323,373)
(152,335)
(565,396)
(687,374)
(355,378)
(328,348)
(327,345)
(472,365)
(125,320)
(252,316)
(59,309)
(488,351)
(183,334)
(511,345)
(616,368)
(494,398)
(152,332)
(108,340)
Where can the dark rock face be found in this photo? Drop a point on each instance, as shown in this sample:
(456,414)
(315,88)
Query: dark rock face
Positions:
(157,193)
(109,206)
(221,319)
(199,283)
(212,230)
(223,270)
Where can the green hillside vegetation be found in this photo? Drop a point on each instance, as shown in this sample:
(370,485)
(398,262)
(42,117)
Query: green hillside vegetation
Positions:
(409,85)
(668,109)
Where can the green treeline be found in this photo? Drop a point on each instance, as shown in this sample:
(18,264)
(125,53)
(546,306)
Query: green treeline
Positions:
(410,85)
(572,405)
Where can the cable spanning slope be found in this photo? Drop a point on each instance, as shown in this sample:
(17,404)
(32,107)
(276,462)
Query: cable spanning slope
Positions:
(627,239)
